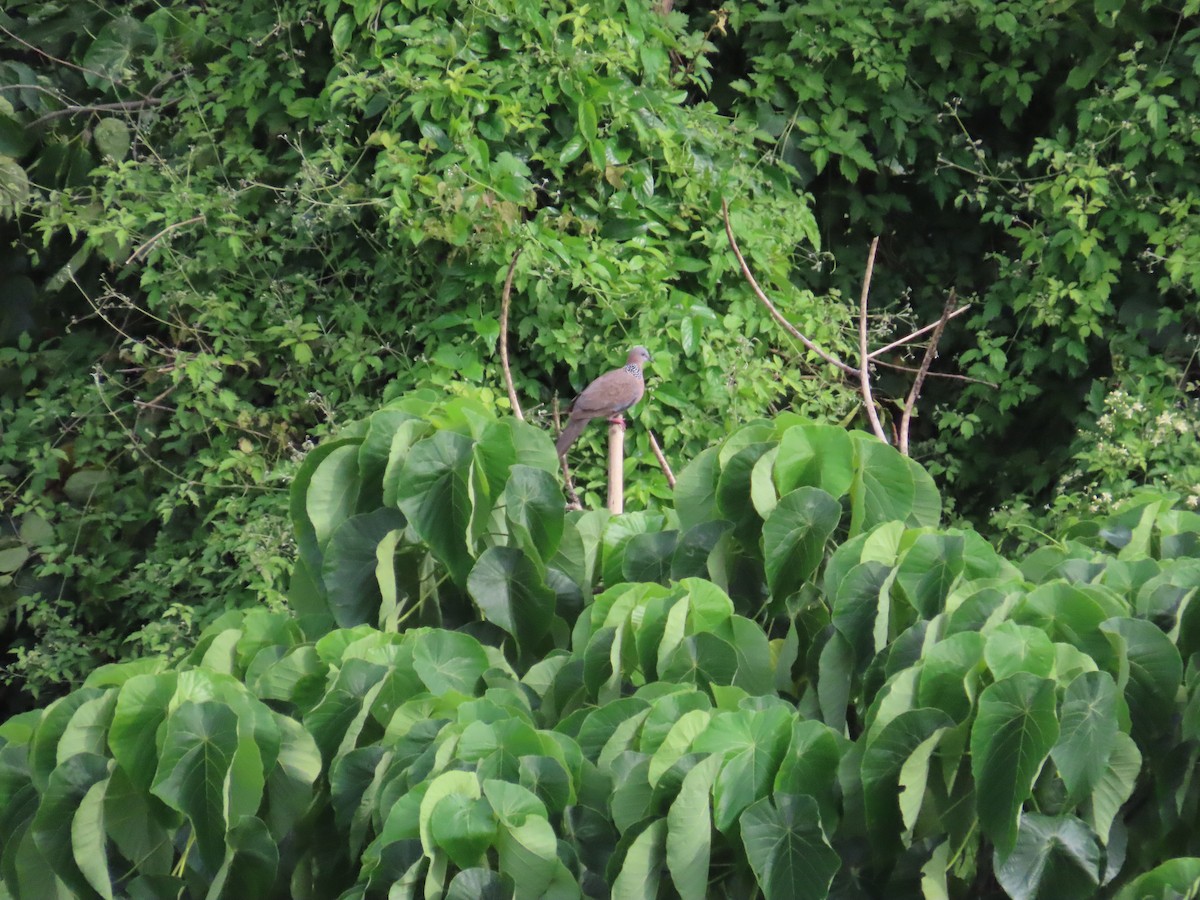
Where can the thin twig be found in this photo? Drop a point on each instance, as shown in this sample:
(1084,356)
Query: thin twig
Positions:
(662,460)
(505,298)
(766,301)
(947,375)
(140,251)
(568,482)
(864,377)
(930,352)
(125,106)
(62,62)
(916,334)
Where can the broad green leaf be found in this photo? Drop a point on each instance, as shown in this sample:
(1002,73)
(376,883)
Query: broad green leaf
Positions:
(1056,855)
(762,487)
(1087,734)
(677,742)
(43,749)
(701,659)
(694,549)
(88,844)
(929,569)
(1155,672)
(754,744)
(1013,648)
(648,556)
(1173,879)
(696,490)
(689,830)
(246,779)
(810,766)
(445,785)
(889,486)
(819,456)
(141,708)
(511,591)
(329,720)
(882,766)
(432,492)
(114,49)
(332,490)
(949,671)
(528,855)
(140,825)
(914,776)
(349,566)
(477,884)
(794,537)
(69,784)
(643,864)
(112,138)
(87,730)
(533,506)
(463,826)
(374,451)
(618,532)
(198,747)
(250,864)
(787,849)
(290,782)
(733,492)
(449,661)
(631,792)
(754,673)
(407,433)
(549,779)
(512,803)
(1013,733)
(857,606)
(1116,785)
(835,678)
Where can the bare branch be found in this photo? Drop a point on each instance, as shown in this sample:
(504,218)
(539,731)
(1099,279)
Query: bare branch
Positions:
(62,62)
(505,299)
(947,375)
(766,301)
(864,377)
(930,352)
(568,483)
(145,247)
(125,106)
(916,334)
(662,459)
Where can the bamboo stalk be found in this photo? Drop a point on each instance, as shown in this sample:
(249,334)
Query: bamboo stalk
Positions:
(616,467)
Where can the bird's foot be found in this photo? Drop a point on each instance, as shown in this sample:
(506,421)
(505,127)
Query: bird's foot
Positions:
(616,420)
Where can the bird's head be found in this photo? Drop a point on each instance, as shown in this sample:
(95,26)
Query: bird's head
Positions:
(638,355)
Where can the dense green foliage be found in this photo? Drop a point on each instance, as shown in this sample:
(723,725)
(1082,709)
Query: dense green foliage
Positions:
(795,682)
(309,201)
(1037,156)
(227,229)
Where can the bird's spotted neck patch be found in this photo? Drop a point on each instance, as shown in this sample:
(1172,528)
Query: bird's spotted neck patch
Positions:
(633,369)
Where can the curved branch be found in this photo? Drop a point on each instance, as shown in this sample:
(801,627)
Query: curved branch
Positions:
(926,362)
(505,298)
(874,354)
(662,459)
(865,360)
(766,301)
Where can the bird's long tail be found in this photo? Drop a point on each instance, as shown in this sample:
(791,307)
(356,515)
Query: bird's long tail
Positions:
(569,434)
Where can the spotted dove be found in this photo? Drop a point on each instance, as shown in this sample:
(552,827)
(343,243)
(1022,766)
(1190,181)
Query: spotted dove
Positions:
(609,395)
